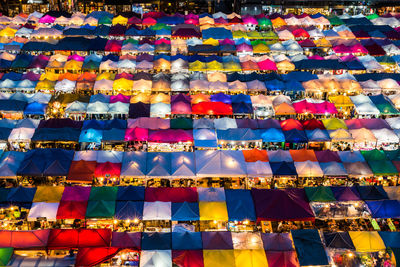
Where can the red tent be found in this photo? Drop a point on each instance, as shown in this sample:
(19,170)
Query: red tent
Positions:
(94,256)
(108,169)
(282,258)
(171,194)
(291,124)
(78,238)
(72,210)
(187,258)
(82,171)
(36,239)
(300,33)
(212,108)
(312,124)
(136,134)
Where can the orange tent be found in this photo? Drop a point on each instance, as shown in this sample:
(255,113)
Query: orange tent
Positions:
(255,155)
(69,76)
(284,109)
(303,155)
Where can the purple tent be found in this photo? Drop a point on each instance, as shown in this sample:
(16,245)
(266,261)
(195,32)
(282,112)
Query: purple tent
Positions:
(60,123)
(269,123)
(171,136)
(217,240)
(180,98)
(126,240)
(139,109)
(247,123)
(375,124)
(327,156)
(345,193)
(143,57)
(277,241)
(120,98)
(31,76)
(117,30)
(76,193)
(282,205)
(221,97)
(149,123)
(181,107)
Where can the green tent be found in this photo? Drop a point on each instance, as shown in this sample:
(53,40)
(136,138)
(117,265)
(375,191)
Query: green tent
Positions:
(181,123)
(269,35)
(373,16)
(160,26)
(373,155)
(130,41)
(105,20)
(257,42)
(382,167)
(319,194)
(393,154)
(254,35)
(100,209)
(5,256)
(387,109)
(107,193)
(264,22)
(335,21)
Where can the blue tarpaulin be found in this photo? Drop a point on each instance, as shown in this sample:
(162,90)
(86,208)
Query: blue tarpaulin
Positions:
(129,210)
(240,205)
(384,208)
(156,241)
(309,247)
(186,240)
(185,211)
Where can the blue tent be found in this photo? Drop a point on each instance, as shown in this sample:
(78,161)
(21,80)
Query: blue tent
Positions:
(56,134)
(171,20)
(158,164)
(4,133)
(241,98)
(317,135)
(205,138)
(275,85)
(21,194)
(182,164)
(384,208)
(91,135)
(217,33)
(12,105)
(78,32)
(134,164)
(115,124)
(185,211)
(238,134)
(35,108)
(309,247)
(351,156)
(93,124)
(130,193)
(339,240)
(272,135)
(242,108)
(129,210)
(295,136)
(283,168)
(156,241)
(117,135)
(293,86)
(391,239)
(240,205)
(186,240)
(10,162)
(372,192)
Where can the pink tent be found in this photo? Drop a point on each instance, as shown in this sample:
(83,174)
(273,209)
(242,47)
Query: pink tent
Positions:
(325,108)
(244,48)
(317,57)
(226,41)
(76,58)
(267,65)
(134,20)
(120,98)
(136,134)
(304,106)
(358,48)
(161,41)
(181,107)
(124,75)
(47,19)
(171,136)
(341,49)
(249,20)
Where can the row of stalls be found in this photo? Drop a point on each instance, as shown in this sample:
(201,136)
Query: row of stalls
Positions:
(212,168)
(184,134)
(217,249)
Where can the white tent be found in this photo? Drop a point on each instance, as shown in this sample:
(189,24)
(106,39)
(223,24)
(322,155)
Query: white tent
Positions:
(308,169)
(43,210)
(157,210)
(220,163)
(109,156)
(87,155)
(21,134)
(385,135)
(225,123)
(97,108)
(156,258)
(247,240)
(65,86)
(259,169)
(160,110)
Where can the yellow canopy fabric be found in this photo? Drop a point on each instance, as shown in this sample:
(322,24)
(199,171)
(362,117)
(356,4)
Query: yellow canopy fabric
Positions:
(45,85)
(106,75)
(141,97)
(160,98)
(161,64)
(340,135)
(211,41)
(197,66)
(219,258)
(278,22)
(250,258)
(73,65)
(206,20)
(214,66)
(367,241)
(260,48)
(334,124)
(49,194)
(122,84)
(239,34)
(285,65)
(120,20)
(55,64)
(210,211)
(51,76)
(341,101)
(8,32)
(322,43)
(254,35)
(232,66)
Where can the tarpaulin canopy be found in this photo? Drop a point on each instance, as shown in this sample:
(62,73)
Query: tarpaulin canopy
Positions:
(240,205)
(340,240)
(78,238)
(220,163)
(309,247)
(367,241)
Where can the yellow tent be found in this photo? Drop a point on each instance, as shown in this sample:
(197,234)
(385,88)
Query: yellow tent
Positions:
(120,20)
(367,241)
(254,35)
(334,124)
(217,77)
(313,85)
(278,22)
(341,101)
(350,86)
(210,211)
(122,84)
(49,194)
(219,258)
(322,43)
(239,34)
(73,65)
(45,85)
(51,76)
(106,75)
(8,32)
(214,66)
(250,258)
(141,97)
(55,64)
(161,64)
(197,66)
(232,66)
(340,135)
(260,48)
(211,41)
(285,65)
(160,98)
(206,20)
